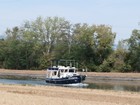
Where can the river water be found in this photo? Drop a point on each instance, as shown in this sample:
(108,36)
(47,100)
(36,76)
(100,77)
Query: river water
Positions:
(98,84)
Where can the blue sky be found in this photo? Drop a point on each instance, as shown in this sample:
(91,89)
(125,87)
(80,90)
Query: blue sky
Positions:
(122,15)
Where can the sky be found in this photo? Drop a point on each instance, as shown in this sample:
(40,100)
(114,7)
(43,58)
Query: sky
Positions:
(122,15)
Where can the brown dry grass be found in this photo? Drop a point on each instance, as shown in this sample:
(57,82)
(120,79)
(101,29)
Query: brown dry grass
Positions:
(48,95)
(8,71)
(41,72)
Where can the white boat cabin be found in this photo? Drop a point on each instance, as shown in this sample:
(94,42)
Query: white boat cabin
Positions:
(61,72)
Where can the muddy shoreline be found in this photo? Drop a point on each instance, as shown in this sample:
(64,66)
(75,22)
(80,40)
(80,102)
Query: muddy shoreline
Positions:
(29,74)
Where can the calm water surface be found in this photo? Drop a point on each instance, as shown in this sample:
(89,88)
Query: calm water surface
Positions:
(116,87)
(104,85)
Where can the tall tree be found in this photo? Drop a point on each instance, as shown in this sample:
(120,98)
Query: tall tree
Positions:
(134,50)
(12,53)
(49,36)
(83,43)
(2,52)
(104,41)
(33,44)
(93,44)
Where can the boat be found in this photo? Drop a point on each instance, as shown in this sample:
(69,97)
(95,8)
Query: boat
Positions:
(64,74)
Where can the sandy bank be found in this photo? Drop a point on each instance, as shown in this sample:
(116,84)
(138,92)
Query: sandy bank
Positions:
(48,95)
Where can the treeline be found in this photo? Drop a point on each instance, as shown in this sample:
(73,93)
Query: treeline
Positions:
(33,44)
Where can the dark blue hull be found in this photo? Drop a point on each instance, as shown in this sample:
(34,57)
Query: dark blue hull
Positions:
(70,80)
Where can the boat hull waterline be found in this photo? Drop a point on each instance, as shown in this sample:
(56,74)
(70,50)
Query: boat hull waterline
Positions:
(66,80)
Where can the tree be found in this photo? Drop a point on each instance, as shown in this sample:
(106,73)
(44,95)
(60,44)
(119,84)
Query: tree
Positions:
(39,41)
(11,53)
(82,44)
(35,43)
(134,50)
(117,60)
(93,44)
(2,52)
(104,41)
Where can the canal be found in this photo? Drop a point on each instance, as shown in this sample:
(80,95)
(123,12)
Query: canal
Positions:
(98,84)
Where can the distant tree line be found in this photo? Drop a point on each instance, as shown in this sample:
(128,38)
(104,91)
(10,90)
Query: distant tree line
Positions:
(35,43)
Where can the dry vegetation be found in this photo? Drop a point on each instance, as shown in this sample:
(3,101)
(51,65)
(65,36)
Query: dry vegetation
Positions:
(5,71)
(48,95)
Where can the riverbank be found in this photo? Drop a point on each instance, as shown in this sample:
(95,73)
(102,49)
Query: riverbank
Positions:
(48,95)
(40,74)
(51,95)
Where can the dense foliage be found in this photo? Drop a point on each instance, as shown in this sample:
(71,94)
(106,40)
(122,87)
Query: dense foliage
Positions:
(35,43)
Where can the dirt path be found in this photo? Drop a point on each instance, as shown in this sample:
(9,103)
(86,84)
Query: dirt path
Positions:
(48,95)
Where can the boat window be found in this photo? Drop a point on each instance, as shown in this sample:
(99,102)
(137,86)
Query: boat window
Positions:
(66,70)
(71,70)
(62,71)
(52,68)
(55,68)
(54,73)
